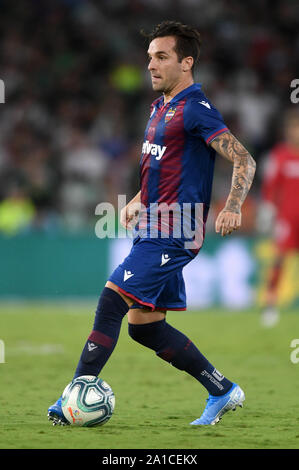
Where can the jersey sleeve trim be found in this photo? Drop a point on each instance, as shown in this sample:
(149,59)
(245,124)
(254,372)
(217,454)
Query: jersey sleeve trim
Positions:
(212,136)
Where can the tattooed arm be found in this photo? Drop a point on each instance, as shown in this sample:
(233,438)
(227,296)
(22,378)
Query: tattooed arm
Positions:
(244,165)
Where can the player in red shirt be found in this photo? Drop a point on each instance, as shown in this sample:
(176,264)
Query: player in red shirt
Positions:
(280,192)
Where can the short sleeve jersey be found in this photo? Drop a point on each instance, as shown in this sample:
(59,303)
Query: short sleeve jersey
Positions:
(177,162)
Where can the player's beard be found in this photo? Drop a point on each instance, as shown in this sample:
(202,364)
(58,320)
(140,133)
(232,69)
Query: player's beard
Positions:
(162,87)
(158,86)
(166,84)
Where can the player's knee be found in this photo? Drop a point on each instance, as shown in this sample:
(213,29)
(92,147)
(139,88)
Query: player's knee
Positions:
(111,307)
(110,285)
(147,334)
(136,333)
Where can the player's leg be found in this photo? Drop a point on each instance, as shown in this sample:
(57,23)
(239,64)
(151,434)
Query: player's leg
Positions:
(150,329)
(153,331)
(111,309)
(286,237)
(270,313)
(159,285)
(141,316)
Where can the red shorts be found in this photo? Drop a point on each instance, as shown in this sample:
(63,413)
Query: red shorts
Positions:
(286,233)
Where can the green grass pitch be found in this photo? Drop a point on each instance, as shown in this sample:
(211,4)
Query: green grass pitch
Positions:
(154,402)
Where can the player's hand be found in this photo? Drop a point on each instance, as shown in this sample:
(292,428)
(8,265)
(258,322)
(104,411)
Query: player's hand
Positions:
(129,215)
(227,222)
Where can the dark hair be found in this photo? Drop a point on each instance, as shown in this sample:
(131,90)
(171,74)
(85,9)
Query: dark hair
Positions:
(188,39)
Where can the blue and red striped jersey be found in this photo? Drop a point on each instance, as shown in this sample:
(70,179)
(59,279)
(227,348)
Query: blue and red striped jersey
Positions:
(177,162)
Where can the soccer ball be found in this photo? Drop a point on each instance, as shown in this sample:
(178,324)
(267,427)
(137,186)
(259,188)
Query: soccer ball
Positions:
(87,401)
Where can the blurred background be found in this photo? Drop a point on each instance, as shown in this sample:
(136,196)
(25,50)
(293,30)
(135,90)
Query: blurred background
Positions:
(77,98)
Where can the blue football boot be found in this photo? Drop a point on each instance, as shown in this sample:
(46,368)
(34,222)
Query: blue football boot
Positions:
(56,415)
(217,406)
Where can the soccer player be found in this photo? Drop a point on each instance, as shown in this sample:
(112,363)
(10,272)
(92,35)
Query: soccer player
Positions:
(280,193)
(182,136)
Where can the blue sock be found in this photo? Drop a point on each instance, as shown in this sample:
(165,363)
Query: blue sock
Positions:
(175,348)
(104,335)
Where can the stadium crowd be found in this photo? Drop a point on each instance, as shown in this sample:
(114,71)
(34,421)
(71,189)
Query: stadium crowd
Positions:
(77,95)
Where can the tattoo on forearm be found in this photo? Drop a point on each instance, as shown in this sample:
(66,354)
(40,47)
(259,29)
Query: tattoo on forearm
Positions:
(243,171)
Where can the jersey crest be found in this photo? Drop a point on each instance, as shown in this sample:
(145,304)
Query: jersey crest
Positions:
(170,113)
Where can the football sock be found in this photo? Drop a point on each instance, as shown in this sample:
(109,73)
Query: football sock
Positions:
(104,335)
(175,348)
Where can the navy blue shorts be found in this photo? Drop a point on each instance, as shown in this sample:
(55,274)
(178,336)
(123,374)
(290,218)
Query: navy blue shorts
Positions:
(152,274)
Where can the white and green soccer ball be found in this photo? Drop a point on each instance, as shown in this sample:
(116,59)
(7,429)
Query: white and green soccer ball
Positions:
(88,401)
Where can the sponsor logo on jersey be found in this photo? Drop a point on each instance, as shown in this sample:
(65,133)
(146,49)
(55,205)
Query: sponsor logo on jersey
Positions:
(153,149)
(169,115)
